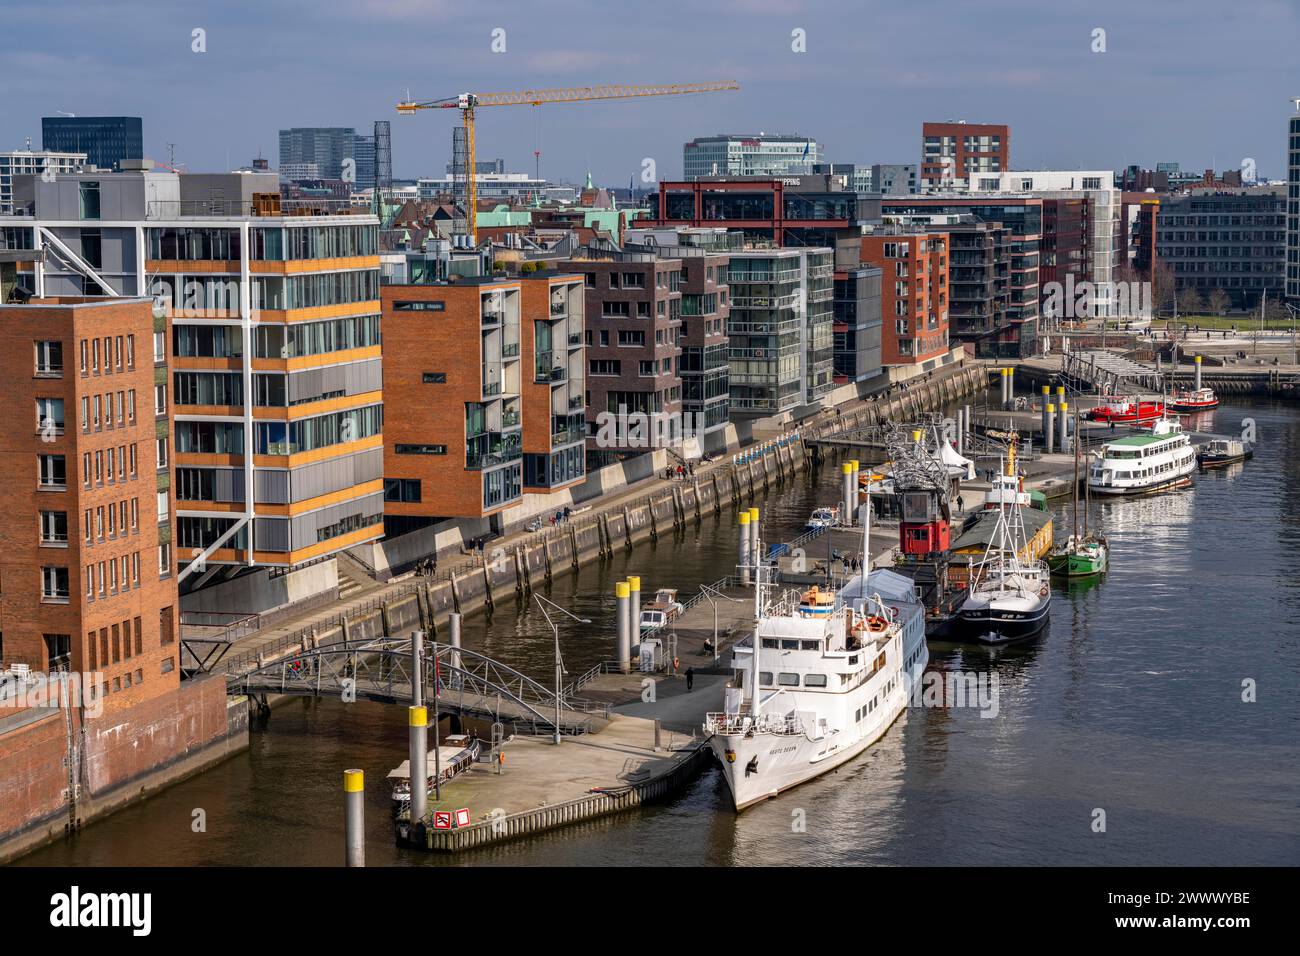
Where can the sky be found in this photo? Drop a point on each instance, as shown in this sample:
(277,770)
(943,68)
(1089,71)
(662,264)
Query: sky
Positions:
(1199,82)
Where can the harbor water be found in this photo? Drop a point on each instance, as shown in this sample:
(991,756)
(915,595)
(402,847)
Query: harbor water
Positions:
(1156,722)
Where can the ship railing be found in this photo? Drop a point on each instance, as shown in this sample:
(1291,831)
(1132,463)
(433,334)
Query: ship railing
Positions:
(718,722)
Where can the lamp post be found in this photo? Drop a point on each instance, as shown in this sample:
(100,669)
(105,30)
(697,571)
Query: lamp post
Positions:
(708,591)
(543,604)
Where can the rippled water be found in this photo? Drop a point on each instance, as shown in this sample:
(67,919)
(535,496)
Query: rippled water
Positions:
(1131,705)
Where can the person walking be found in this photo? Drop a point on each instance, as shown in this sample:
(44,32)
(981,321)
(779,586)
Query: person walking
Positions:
(690,678)
(961,505)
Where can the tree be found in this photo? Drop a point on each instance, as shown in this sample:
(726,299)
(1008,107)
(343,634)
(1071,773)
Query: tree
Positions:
(1190,302)
(1164,289)
(1217,302)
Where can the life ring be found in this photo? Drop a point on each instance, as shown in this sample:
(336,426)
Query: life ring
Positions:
(877,623)
(1042,592)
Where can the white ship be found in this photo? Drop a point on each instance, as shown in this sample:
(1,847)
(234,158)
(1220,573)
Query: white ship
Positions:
(1143,464)
(835,669)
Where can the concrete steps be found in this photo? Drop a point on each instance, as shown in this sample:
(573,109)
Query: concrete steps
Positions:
(353,579)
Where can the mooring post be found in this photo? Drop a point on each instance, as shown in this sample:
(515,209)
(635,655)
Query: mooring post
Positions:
(634,603)
(453,628)
(1049,414)
(846,506)
(754,543)
(622,594)
(354,816)
(417,668)
(418,722)
(742,559)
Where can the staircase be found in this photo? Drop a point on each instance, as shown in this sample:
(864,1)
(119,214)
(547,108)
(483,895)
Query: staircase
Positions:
(354,581)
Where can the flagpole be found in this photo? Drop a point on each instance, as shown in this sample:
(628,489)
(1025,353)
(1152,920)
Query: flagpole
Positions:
(437,750)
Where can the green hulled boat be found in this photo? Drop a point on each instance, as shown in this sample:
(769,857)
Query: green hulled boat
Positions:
(1083,554)
(1078,561)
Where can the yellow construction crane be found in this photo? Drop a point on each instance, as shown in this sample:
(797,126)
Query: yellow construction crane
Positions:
(467,103)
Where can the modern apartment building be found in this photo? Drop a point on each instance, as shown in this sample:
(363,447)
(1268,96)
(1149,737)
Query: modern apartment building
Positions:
(856,323)
(88,568)
(781,329)
(27,162)
(979,281)
(894,179)
(1100,256)
(106,140)
(634,350)
(1023,218)
(326,146)
(952,152)
(1234,241)
(705,308)
(855,176)
(275,381)
(484,384)
(813,210)
(1293,207)
(913,293)
(758,154)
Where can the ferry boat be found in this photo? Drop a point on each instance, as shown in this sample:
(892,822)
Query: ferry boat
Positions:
(1126,411)
(822,678)
(825,517)
(1009,597)
(1144,464)
(1193,400)
(1224,451)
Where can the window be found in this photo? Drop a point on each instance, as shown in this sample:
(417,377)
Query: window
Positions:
(435,378)
(421,449)
(160,399)
(433,306)
(160,346)
(162,453)
(786,679)
(130,406)
(814,680)
(89,200)
(92,248)
(402,490)
(49,416)
(162,506)
(54,528)
(130,352)
(164,560)
(49,358)
(54,585)
(52,471)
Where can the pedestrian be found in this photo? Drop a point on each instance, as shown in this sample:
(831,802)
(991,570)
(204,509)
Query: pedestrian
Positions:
(961,505)
(690,678)
(568,512)
(1112,424)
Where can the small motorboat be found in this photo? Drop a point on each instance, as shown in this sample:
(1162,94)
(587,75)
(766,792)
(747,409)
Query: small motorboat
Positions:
(1224,451)
(825,517)
(664,609)
(1089,556)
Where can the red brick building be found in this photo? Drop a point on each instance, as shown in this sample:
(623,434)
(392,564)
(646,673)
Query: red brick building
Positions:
(913,294)
(950,152)
(88,574)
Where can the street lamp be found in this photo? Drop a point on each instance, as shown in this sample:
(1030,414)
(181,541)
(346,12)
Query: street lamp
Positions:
(708,591)
(543,604)
(1292,310)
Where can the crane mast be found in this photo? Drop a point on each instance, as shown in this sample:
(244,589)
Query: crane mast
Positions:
(468,103)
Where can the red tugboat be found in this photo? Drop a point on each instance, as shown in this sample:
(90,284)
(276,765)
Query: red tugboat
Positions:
(1126,411)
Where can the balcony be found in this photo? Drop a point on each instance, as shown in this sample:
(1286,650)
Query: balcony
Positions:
(510,350)
(559,310)
(500,453)
(492,317)
(575,339)
(577,401)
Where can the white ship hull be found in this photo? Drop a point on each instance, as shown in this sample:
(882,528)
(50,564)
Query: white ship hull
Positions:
(787,761)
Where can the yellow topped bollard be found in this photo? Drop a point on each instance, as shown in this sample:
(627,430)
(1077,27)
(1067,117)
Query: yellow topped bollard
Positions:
(354,824)
(622,592)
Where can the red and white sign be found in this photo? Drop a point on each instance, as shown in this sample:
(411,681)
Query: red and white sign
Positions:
(442,819)
(462,817)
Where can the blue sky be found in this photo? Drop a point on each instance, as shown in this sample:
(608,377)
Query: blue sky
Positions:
(1193,81)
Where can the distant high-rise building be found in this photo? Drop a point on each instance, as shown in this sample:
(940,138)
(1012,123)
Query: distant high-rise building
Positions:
(951,152)
(750,155)
(106,140)
(854,175)
(1293,207)
(363,151)
(483,167)
(326,146)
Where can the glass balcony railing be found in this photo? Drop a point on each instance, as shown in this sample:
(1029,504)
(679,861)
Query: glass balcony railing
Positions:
(510,350)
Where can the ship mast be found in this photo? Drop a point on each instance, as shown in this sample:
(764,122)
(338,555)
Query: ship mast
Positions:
(758,614)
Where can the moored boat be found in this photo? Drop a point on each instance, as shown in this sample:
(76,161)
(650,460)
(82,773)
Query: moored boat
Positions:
(1144,464)
(1083,554)
(455,756)
(1126,411)
(1192,400)
(824,517)
(1224,451)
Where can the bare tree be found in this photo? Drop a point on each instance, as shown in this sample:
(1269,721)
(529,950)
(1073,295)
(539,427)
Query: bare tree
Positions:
(1217,302)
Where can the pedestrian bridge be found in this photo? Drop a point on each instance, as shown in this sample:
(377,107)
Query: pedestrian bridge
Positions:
(464,682)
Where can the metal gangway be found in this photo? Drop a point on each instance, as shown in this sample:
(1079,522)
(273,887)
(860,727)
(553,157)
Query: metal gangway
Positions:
(1108,372)
(464,681)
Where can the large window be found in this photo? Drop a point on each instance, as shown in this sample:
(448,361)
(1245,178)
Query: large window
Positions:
(54,585)
(89,200)
(288,438)
(52,471)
